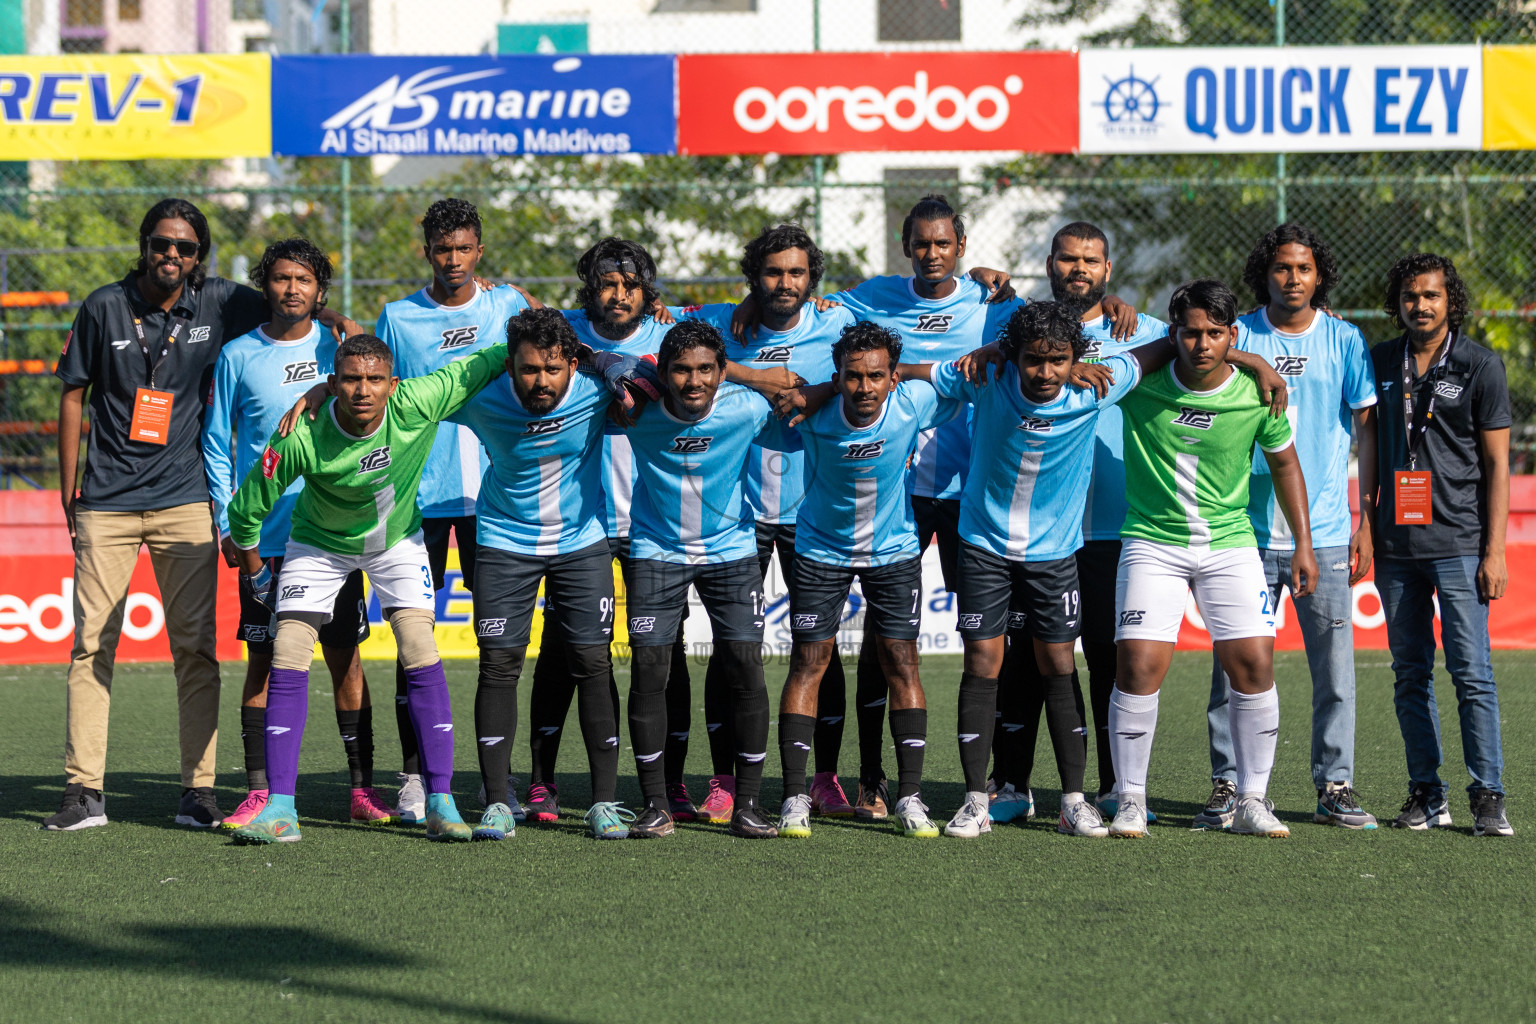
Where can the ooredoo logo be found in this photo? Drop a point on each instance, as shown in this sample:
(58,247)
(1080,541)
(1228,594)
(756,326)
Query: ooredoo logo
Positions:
(865,108)
(50,618)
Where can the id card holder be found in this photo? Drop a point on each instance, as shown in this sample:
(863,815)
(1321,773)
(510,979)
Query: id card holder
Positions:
(1411,494)
(151,416)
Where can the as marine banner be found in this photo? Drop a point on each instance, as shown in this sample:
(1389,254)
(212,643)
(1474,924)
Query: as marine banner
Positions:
(135,107)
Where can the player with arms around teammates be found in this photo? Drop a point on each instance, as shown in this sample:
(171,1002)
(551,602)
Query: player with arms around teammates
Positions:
(256,380)
(361,460)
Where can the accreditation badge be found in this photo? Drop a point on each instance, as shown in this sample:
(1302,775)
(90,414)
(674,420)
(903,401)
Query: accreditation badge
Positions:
(151,416)
(1411,497)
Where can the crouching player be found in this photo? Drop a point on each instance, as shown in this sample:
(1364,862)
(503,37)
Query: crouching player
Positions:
(856,520)
(361,462)
(1189,434)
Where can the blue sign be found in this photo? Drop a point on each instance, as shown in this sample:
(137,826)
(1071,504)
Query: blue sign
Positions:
(469,106)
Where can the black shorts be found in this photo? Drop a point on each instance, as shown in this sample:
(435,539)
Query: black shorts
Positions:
(782,536)
(892,598)
(348,626)
(1097,563)
(434,534)
(578,597)
(995,592)
(940,518)
(657,594)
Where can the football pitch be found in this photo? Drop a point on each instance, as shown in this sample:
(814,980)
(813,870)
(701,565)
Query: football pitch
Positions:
(143,920)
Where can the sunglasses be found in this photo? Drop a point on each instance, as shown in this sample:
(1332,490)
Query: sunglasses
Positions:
(160,245)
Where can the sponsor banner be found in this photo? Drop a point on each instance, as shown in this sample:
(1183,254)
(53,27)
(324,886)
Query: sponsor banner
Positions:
(489,106)
(134,106)
(1509,82)
(1285,99)
(842,102)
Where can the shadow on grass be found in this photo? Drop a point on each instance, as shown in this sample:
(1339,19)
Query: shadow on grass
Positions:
(152,800)
(280,957)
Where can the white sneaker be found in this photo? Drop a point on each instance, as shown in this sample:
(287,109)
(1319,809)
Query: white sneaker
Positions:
(795,817)
(1255,816)
(1081,819)
(1130,817)
(411,805)
(913,815)
(972,818)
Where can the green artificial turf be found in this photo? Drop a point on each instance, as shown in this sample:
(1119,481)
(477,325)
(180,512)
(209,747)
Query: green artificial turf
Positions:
(142,920)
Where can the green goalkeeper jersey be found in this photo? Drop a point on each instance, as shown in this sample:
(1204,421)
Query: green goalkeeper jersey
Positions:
(359,493)
(1188,455)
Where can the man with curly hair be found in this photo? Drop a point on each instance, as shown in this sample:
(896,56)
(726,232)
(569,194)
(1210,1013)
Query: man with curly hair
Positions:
(1440,522)
(1290,273)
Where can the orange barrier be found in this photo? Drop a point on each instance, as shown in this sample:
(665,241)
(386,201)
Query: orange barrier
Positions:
(32,300)
(26,367)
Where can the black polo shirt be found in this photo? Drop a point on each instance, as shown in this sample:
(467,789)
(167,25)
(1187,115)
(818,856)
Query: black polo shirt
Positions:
(102,353)
(1470,395)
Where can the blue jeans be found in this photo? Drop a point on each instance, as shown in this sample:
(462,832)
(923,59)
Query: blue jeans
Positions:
(1407,587)
(1327,629)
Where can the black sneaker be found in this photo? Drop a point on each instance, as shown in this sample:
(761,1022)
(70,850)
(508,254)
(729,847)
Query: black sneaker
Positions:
(82,808)
(1425,809)
(1338,805)
(198,809)
(874,802)
(1488,814)
(1219,807)
(653,823)
(749,822)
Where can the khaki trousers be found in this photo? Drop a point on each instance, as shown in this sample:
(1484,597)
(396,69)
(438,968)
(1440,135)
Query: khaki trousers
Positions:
(184,554)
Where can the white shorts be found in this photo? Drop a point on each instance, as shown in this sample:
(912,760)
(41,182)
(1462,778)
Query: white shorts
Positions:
(1153,583)
(312,578)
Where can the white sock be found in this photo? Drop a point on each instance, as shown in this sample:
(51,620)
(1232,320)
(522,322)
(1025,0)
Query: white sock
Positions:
(1132,724)
(1070,800)
(1255,721)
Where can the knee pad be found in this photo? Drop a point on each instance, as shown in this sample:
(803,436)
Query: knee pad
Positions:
(413,636)
(294,647)
(501,667)
(589,660)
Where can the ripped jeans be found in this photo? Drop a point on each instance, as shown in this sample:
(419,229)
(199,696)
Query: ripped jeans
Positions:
(1327,628)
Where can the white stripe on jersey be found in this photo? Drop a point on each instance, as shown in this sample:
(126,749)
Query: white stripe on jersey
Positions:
(690,519)
(925,463)
(1185,470)
(621,460)
(384,504)
(1018,507)
(550,521)
(1280,535)
(866,493)
(469,467)
(771,472)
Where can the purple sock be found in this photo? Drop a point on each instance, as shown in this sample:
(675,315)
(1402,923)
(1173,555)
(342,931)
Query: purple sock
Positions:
(287,708)
(426,691)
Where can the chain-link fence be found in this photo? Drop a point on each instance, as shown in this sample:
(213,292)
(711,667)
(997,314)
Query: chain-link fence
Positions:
(67,228)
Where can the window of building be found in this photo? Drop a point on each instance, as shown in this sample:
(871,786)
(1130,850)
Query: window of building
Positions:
(904,186)
(130,10)
(919,21)
(84,14)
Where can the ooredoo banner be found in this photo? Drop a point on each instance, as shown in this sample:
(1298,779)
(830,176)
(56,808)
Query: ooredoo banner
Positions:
(1281,99)
(842,102)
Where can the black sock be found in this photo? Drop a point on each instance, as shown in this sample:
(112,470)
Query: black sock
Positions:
(869,698)
(1007,741)
(349,723)
(1101,685)
(1027,700)
(796,733)
(749,699)
(410,750)
(648,670)
(548,705)
(974,726)
(717,719)
(831,712)
(496,719)
(909,728)
(597,711)
(679,713)
(253,737)
(1064,719)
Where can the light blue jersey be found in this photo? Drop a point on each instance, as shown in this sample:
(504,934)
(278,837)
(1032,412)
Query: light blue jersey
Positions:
(1328,372)
(856,511)
(1025,490)
(934,331)
(691,505)
(543,492)
(255,381)
(619,473)
(774,478)
(1105,512)
(426,335)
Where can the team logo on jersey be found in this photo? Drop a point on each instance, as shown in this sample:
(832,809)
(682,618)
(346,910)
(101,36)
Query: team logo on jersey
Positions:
(1291,366)
(1095,346)
(294,592)
(970,620)
(255,634)
(376,459)
(805,620)
(198,334)
(1129,618)
(933,323)
(1035,425)
(691,445)
(776,354)
(269,460)
(1445,389)
(304,369)
(491,627)
(865,449)
(545,426)
(459,337)
(1017,620)
(122,344)
(642,624)
(1200,419)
